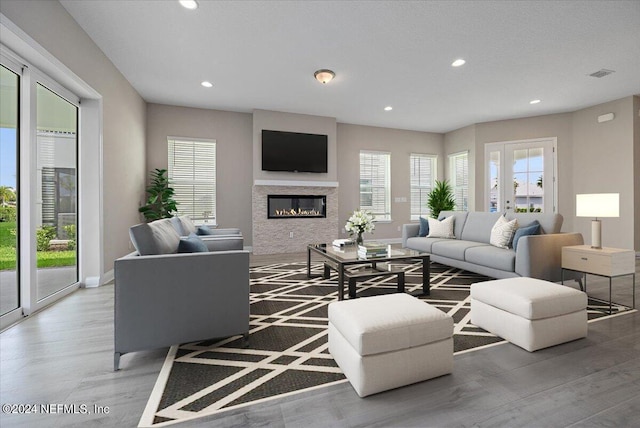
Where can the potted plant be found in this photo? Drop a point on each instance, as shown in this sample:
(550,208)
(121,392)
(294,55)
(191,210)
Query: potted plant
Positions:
(440,198)
(359,223)
(160,202)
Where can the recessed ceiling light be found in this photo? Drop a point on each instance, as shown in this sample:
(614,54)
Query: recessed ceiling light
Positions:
(189,4)
(458,63)
(534,101)
(388,108)
(207,84)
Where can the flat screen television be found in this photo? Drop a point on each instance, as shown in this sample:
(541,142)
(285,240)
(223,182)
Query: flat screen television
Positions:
(293,151)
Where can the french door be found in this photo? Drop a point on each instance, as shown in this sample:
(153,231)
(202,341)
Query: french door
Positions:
(521,176)
(39,193)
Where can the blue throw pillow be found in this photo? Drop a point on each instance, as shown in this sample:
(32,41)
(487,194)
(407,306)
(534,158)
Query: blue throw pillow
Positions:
(204,230)
(192,244)
(424,227)
(532,229)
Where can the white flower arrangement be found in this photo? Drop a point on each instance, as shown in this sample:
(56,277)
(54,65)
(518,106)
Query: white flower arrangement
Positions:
(360,222)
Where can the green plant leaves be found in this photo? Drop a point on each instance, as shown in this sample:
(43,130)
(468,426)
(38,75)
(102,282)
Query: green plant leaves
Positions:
(160,202)
(440,198)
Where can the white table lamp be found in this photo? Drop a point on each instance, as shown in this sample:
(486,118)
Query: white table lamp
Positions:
(597,205)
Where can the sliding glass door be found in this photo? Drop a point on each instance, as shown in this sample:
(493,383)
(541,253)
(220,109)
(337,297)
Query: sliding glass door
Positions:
(38,190)
(9,132)
(56,206)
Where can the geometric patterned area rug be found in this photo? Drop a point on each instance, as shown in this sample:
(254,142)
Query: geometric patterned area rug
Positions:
(288,351)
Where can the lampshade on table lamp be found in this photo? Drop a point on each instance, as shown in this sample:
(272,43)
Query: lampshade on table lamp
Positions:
(597,205)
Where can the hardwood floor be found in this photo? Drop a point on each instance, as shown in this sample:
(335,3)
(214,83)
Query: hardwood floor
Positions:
(63,355)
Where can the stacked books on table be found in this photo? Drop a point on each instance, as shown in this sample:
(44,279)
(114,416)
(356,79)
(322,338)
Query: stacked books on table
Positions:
(372,249)
(340,243)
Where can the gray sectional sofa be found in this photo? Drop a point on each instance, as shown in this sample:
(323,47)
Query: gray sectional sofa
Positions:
(537,256)
(164,298)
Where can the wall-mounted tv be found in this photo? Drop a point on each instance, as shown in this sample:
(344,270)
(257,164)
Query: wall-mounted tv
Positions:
(293,151)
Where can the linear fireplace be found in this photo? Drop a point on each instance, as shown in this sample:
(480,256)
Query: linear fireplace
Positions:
(296,206)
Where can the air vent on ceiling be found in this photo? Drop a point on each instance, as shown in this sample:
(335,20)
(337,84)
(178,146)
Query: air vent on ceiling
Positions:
(601,73)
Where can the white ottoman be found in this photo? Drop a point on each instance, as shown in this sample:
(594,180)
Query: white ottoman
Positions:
(530,313)
(388,341)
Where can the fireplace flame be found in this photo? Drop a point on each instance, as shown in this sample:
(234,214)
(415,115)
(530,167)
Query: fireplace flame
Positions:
(297,213)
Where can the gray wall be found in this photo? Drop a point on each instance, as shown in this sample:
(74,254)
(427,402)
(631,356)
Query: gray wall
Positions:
(592,158)
(603,163)
(636,169)
(233,134)
(460,140)
(280,121)
(123,139)
(400,143)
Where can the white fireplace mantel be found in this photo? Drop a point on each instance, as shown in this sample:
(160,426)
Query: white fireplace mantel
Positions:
(291,183)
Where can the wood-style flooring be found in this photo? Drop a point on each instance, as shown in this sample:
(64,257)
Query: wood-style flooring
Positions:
(64,355)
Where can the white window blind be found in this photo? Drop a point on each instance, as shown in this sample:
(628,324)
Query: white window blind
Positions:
(375,184)
(192,171)
(423,174)
(459,171)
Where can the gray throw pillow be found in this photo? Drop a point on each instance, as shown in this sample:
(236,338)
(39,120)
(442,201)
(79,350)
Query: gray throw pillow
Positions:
(204,230)
(192,244)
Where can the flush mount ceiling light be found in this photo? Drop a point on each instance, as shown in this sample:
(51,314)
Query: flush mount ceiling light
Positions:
(324,75)
(534,101)
(388,108)
(189,4)
(207,84)
(458,62)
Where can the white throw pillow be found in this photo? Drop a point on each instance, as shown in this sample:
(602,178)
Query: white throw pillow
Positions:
(502,232)
(441,229)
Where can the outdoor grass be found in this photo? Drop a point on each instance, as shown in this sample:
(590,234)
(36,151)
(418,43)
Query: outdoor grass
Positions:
(45,258)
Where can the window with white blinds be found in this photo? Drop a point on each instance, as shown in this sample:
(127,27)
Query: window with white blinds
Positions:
(459,179)
(375,184)
(423,174)
(192,171)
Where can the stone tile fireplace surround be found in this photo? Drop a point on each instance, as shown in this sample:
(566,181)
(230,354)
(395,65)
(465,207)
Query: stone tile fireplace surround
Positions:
(273,235)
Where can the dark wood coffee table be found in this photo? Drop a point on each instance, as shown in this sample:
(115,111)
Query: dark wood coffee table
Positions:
(340,259)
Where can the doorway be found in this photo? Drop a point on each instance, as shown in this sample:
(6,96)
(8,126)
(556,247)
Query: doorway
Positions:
(521,176)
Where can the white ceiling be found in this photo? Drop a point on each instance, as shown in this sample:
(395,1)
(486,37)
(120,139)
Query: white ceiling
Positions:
(262,55)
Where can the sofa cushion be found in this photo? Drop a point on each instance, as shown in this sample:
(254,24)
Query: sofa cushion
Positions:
(532,229)
(502,232)
(529,298)
(478,226)
(441,229)
(492,257)
(454,248)
(187,225)
(549,223)
(158,237)
(388,323)
(424,227)
(423,244)
(192,244)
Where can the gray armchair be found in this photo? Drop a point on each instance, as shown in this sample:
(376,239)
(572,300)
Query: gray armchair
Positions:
(163,298)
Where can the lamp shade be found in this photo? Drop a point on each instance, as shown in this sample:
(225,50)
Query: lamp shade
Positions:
(598,205)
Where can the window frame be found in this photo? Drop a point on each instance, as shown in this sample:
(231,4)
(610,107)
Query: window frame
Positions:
(424,211)
(194,182)
(384,216)
(460,190)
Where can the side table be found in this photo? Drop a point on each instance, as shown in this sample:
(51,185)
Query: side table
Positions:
(607,262)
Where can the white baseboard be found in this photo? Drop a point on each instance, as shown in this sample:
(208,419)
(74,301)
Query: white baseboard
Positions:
(92,282)
(387,240)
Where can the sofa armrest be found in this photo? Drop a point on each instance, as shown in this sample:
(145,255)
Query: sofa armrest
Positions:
(164,300)
(540,256)
(223,242)
(409,231)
